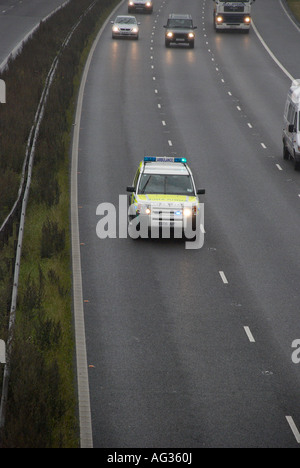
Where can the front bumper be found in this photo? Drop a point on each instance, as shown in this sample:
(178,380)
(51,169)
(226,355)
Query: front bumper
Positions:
(129,34)
(142,8)
(233,22)
(163,221)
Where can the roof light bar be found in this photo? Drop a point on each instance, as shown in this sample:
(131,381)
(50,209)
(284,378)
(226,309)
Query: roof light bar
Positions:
(164,159)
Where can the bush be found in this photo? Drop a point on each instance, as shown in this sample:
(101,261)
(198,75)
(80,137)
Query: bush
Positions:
(53,239)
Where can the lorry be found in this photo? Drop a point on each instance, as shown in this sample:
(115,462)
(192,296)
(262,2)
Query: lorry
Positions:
(232,15)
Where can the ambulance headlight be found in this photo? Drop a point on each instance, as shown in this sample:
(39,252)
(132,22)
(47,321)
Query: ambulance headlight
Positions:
(147,210)
(187,212)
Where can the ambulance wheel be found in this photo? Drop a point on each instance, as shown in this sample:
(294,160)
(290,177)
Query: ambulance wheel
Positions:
(286,154)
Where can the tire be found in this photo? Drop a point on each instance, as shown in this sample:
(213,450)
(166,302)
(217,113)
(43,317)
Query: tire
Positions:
(286,154)
(167,43)
(192,45)
(297,164)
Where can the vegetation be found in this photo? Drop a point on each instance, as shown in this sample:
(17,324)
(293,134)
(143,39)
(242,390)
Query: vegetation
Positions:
(295,7)
(42,407)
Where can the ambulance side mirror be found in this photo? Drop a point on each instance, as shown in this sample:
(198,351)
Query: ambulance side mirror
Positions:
(130,189)
(200,191)
(291,128)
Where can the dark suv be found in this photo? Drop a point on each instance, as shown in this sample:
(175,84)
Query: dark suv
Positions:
(180,30)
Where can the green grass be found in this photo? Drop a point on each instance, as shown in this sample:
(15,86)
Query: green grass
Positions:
(295,7)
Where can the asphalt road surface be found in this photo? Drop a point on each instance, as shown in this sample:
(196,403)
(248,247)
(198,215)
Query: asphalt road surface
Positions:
(193,348)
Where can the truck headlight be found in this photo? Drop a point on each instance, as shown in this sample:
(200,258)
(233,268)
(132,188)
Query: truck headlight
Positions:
(247,20)
(219,19)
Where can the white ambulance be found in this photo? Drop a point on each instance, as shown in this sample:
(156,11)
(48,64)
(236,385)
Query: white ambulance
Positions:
(291,125)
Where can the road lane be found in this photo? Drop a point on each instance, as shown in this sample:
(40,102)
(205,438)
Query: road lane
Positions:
(171,363)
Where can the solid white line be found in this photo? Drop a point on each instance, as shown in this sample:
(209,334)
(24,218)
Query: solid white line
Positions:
(293,428)
(84,406)
(249,334)
(224,279)
(271,53)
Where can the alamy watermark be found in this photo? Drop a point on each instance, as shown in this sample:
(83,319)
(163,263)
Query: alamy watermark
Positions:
(123,224)
(2,92)
(296,353)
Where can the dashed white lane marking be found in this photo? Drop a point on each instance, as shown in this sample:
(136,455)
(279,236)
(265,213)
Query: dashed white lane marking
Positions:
(279,167)
(223,276)
(249,334)
(293,428)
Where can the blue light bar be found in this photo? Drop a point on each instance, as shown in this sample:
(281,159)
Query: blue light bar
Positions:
(164,159)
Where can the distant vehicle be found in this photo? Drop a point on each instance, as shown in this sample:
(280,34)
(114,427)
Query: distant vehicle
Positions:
(232,15)
(145,6)
(125,26)
(180,30)
(163,195)
(291,129)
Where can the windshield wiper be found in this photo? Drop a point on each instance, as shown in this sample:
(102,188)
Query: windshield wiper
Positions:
(143,191)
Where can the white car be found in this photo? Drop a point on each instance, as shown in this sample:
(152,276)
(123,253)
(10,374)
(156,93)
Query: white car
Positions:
(145,6)
(125,26)
(163,195)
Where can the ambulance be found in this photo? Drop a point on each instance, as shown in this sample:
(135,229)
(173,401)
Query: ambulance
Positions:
(291,125)
(163,198)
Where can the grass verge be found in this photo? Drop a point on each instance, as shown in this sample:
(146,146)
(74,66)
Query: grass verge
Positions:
(294,5)
(42,400)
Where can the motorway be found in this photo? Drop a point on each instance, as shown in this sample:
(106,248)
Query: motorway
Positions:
(17,20)
(192,348)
